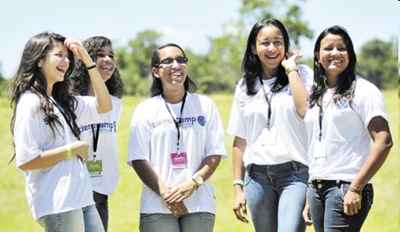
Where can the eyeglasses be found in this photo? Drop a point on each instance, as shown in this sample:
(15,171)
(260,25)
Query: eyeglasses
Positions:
(169,61)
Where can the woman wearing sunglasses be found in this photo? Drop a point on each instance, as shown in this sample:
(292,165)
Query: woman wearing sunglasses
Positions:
(176,143)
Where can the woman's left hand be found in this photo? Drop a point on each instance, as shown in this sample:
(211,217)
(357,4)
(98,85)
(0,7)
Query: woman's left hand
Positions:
(76,47)
(180,192)
(290,62)
(351,203)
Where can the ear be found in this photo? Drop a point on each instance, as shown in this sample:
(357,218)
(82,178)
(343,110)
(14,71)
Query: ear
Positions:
(253,50)
(156,72)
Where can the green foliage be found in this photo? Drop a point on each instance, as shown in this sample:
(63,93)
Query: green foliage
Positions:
(377,62)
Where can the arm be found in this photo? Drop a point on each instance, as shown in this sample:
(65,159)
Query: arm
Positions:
(239,204)
(381,145)
(100,90)
(185,189)
(52,157)
(296,84)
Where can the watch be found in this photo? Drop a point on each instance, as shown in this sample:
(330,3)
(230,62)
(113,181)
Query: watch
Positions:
(198,179)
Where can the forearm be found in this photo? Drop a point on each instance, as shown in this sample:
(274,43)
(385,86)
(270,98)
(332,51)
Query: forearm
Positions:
(148,176)
(299,93)
(100,90)
(238,148)
(208,166)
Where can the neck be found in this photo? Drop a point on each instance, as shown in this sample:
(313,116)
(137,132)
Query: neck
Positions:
(49,89)
(331,81)
(174,96)
(269,74)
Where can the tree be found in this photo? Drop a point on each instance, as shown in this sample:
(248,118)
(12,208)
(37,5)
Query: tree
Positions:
(377,62)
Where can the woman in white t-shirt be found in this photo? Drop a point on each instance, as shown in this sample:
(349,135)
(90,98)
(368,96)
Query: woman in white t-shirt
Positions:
(102,161)
(349,136)
(176,143)
(269,147)
(45,127)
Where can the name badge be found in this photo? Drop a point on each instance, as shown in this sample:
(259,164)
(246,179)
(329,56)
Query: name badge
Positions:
(179,160)
(95,167)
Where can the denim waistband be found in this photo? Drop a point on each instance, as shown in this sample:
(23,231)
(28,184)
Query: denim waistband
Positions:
(283,167)
(319,183)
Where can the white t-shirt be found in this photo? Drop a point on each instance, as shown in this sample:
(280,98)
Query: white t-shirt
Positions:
(107,148)
(153,138)
(286,140)
(66,185)
(345,140)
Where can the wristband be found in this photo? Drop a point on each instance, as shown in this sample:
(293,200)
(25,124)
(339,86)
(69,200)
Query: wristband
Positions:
(291,69)
(91,66)
(238,182)
(355,190)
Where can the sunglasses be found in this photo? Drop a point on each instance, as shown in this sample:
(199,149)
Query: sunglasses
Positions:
(169,61)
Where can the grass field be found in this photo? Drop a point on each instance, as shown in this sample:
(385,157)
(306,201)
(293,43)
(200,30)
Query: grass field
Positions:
(124,203)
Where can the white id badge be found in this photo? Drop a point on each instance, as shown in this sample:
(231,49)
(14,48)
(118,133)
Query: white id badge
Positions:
(319,151)
(95,167)
(268,137)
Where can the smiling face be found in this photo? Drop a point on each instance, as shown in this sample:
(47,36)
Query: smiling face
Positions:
(270,48)
(333,55)
(55,64)
(105,62)
(172,70)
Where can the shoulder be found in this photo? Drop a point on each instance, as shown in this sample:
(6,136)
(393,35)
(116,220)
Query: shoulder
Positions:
(29,102)
(148,107)
(306,73)
(366,89)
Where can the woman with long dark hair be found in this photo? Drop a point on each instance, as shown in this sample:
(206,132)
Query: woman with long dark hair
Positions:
(175,145)
(269,147)
(349,136)
(102,161)
(45,127)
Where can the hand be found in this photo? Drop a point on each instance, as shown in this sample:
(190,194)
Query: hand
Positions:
(306,214)
(80,149)
(79,51)
(180,192)
(352,203)
(290,62)
(177,209)
(239,205)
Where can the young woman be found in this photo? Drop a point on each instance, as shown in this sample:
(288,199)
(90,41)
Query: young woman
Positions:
(102,137)
(269,147)
(175,145)
(45,126)
(349,136)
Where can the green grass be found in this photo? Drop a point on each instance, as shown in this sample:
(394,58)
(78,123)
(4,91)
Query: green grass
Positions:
(124,203)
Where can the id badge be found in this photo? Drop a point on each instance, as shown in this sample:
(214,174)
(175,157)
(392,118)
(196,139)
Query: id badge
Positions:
(179,160)
(95,167)
(319,151)
(269,137)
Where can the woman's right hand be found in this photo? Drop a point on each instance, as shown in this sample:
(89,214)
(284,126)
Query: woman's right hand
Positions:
(239,204)
(306,214)
(80,149)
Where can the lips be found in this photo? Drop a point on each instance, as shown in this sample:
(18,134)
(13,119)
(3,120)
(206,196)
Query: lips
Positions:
(61,69)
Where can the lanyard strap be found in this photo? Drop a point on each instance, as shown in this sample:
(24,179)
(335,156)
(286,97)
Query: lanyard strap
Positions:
(269,102)
(178,121)
(95,138)
(65,117)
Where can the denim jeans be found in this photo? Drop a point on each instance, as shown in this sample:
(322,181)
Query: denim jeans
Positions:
(326,207)
(276,196)
(80,220)
(101,201)
(193,222)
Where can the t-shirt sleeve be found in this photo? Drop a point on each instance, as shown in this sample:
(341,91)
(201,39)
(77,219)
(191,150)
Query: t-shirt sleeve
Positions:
(236,125)
(28,129)
(215,133)
(86,111)
(139,138)
(371,103)
(307,76)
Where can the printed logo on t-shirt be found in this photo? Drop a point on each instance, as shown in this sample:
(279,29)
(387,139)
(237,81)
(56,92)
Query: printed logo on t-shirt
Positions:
(104,127)
(185,121)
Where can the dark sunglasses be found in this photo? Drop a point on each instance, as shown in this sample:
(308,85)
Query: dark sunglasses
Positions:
(169,60)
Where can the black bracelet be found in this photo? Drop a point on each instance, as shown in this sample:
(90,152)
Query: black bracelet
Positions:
(91,66)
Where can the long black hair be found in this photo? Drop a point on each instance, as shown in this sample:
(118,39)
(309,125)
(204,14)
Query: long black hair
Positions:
(345,79)
(156,85)
(251,64)
(29,77)
(80,75)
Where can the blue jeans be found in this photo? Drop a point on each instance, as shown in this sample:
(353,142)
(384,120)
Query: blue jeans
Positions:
(326,207)
(276,196)
(80,220)
(193,222)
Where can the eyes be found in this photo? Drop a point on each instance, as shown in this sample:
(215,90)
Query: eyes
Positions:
(103,55)
(331,48)
(169,60)
(275,43)
(61,55)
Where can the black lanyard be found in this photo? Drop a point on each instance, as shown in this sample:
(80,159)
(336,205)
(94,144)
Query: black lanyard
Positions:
(176,122)
(95,138)
(65,117)
(269,101)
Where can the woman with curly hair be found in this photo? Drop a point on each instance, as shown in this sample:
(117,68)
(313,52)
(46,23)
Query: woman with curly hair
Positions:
(102,137)
(45,127)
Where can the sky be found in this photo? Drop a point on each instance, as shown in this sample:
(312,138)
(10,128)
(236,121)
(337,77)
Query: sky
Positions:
(189,23)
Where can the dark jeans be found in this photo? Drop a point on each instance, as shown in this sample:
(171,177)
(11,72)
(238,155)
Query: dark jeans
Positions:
(326,207)
(101,201)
